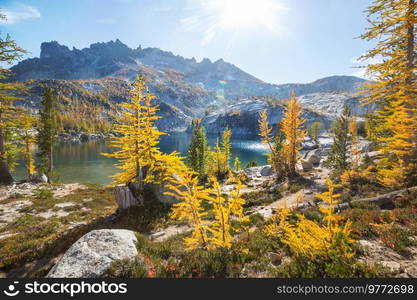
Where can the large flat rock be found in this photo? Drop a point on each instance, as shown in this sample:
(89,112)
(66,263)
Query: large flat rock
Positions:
(93,254)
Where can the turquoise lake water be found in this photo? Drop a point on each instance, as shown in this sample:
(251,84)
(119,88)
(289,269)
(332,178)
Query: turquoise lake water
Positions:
(82,162)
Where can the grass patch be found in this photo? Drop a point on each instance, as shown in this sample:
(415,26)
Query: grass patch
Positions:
(36,237)
(258,198)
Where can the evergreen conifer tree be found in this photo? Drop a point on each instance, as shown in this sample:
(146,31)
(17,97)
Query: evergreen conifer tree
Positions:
(47,132)
(338,156)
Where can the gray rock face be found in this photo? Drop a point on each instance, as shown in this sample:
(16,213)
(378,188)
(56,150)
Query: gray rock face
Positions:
(332,103)
(243,117)
(159,190)
(253,172)
(266,171)
(93,254)
(306,165)
(40,178)
(364,146)
(313,156)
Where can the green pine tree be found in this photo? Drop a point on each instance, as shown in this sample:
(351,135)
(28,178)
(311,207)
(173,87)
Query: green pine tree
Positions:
(338,156)
(47,132)
(198,150)
(314,130)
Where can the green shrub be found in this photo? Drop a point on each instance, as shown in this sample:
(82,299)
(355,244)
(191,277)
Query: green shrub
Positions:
(334,268)
(251,164)
(43,194)
(126,268)
(204,264)
(257,198)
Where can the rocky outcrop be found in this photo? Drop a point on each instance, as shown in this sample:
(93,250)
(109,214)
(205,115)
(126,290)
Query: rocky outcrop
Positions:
(266,171)
(331,103)
(313,156)
(93,254)
(262,171)
(375,253)
(243,117)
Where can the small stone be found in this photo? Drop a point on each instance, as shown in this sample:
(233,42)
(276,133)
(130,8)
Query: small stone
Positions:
(275,258)
(306,165)
(40,178)
(64,204)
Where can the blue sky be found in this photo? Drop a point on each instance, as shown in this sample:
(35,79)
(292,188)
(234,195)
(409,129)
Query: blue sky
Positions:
(278,41)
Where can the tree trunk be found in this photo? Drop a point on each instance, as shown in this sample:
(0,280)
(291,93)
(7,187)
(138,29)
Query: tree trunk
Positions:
(378,200)
(131,194)
(5,176)
(410,39)
(125,197)
(50,162)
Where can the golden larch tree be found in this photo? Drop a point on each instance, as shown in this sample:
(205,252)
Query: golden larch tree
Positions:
(207,233)
(315,242)
(394,88)
(10,118)
(292,127)
(224,209)
(137,143)
(190,209)
(275,144)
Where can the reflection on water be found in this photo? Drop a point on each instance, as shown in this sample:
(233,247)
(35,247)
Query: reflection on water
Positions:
(82,162)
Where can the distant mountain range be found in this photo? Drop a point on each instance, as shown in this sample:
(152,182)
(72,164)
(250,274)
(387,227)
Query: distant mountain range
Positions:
(185,86)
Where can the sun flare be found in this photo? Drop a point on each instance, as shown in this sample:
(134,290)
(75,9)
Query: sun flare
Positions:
(233,14)
(215,17)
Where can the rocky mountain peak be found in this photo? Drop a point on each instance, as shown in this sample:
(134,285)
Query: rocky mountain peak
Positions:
(110,49)
(53,49)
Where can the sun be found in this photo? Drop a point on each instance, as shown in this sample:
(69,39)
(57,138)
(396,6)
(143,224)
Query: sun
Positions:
(233,18)
(242,14)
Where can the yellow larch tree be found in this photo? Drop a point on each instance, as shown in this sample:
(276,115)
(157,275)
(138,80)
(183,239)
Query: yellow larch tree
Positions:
(313,241)
(206,233)
(224,209)
(137,144)
(220,228)
(394,88)
(218,161)
(353,171)
(9,113)
(399,166)
(190,209)
(275,145)
(292,127)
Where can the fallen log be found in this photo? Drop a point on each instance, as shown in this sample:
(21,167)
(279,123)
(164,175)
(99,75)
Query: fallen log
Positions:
(378,200)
